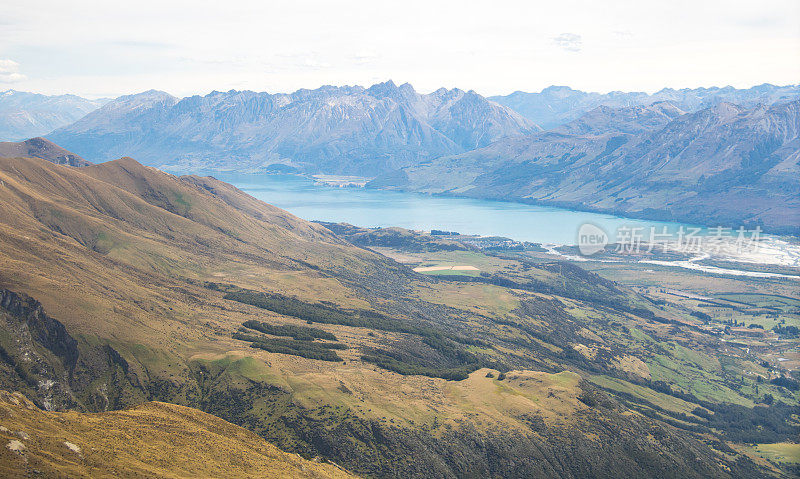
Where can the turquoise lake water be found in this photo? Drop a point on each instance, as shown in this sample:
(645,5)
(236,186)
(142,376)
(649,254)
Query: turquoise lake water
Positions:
(378,208)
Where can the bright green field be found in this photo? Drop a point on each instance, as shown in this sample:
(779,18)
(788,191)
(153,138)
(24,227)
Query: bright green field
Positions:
(785,452)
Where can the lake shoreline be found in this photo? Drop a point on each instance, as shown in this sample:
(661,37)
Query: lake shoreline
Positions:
(306,197)
(655,215)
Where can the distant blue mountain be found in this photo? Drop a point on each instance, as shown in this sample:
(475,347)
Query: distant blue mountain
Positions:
(557,105)
(25,115)
(350,129)
(723,165)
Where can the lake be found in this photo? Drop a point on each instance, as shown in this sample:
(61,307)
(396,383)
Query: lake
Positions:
(378,208)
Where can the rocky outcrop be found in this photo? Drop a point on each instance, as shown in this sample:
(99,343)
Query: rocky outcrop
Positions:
(43,330)
(40,358)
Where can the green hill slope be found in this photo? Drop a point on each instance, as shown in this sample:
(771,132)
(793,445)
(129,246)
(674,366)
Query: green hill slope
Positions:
(123,284)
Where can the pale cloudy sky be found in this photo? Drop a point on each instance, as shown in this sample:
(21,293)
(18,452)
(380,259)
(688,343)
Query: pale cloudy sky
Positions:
(107,48)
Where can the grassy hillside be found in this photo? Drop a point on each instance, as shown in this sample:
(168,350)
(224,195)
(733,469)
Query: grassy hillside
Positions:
(41,148)
(150,440)
(123,284)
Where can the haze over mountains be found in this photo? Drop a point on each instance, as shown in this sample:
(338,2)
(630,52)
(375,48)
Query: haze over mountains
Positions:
(705,154)
(26,115)
(352,130)
(557,105)
(724,165)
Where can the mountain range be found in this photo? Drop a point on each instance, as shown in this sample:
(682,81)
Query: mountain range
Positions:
(557,105)
(724,165)
(25,115)
(706,155)
(345,130)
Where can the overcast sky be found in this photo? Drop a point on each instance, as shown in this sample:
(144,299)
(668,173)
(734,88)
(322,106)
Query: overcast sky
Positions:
(107,48)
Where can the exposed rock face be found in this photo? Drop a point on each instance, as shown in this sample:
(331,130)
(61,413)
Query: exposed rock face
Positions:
(41,148)
(724,165)
(25,115)
(39,357)
(331,129)
(43,329)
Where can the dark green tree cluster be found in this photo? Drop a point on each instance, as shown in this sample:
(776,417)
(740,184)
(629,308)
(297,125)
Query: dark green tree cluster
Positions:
(296,332)
(305,349)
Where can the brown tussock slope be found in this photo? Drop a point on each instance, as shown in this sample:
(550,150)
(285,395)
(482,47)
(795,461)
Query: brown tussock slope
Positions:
(150,440)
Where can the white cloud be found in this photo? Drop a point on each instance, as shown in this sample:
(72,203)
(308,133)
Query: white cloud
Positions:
(101,48)
(364,57)
(570,42)
(9,71)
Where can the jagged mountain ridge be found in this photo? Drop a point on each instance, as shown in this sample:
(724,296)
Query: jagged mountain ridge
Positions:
(26,115)
(350,129)
(557,105)
(726,165)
